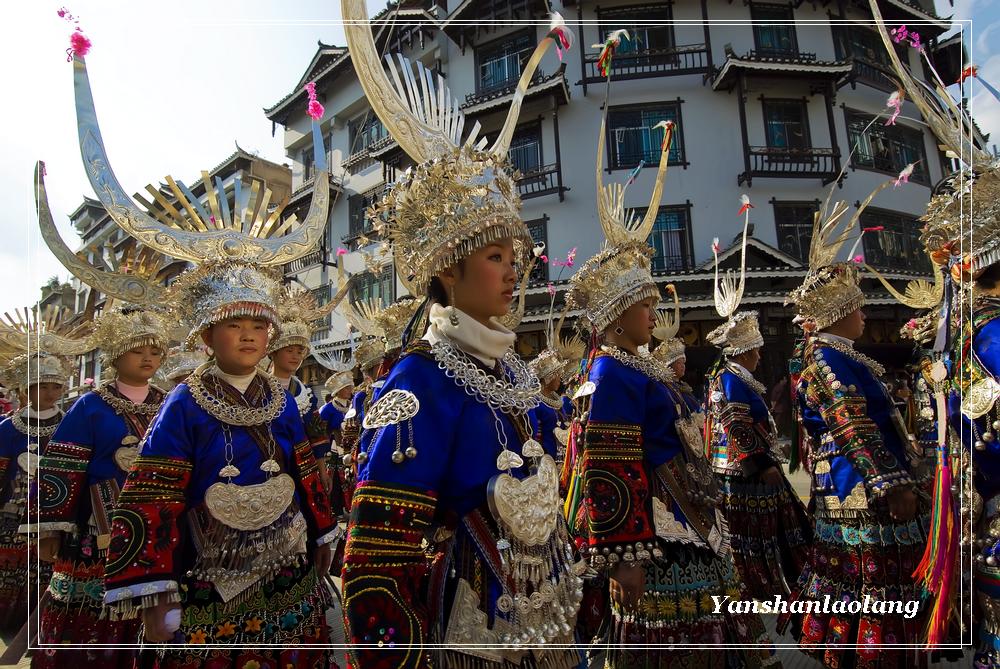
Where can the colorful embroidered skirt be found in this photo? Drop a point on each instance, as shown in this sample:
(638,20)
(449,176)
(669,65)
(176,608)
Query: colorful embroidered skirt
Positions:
(770,534)
(287,613)
(74,614)
(677,608)
(859,559)
(13,574)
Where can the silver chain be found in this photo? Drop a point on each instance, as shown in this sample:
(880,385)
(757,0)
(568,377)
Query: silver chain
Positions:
(121,405)
(647,366)
(517,395)
(34,430)
(876,369)
(754,384)
(245,416)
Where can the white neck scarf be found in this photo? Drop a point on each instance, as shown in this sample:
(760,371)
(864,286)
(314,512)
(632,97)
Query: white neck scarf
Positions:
(241,383)
(485,343)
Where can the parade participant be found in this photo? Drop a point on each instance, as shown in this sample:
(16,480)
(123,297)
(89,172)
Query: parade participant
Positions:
(23,436)
(341,387)
(642,516)
(864,482)
(297,310)
(554,366)
(770,529)
(180,363)
(446,449)
(81,473)
(223,516)
(670,352)
(383,328)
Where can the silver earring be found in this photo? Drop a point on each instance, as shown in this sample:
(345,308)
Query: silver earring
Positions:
(453,316)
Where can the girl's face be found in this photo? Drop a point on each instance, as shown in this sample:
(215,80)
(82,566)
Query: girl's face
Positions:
(679,366)
(552,385)
(287,360)
(637,324)
(137,367)
(239,344)
(484,286)
(44,396)
(345,393)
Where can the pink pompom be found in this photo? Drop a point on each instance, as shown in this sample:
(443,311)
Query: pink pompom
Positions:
(544,258)
(79,45)
(341,252)
(314,109)
(858,259)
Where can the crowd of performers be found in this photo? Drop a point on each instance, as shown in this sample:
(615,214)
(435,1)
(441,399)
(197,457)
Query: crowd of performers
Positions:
(588,506)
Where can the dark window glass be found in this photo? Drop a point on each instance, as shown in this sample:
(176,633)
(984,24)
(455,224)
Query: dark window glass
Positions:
(793,222)
(671,238)
(786,124)
(773,39)
(897,246)
(887,148)
(500,63)
(632,137)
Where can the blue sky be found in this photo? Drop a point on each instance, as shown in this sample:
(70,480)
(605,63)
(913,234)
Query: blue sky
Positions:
(176,84)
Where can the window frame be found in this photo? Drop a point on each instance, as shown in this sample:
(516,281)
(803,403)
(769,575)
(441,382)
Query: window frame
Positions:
(528,34)
(530,127)
(363,287)
(921,173)
(613,18)
(778,205)
(687,250)
(613,160)
(756,9)
(803,106)
(915,260)
(540,273)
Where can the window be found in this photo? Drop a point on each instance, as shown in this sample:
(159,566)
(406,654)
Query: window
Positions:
(308,163)
(858,42)
(499,63)
(365,131)
(322,296)
(886,148)
(671,238)
(793,222)
(648,36)
(897,245)
(374,287)
(358,223)
(632,137)
(537,228)
(771,37)
(786,124)
(526,149)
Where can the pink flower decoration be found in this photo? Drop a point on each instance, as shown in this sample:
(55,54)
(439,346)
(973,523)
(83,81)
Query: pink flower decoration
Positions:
(915,41)
(912,323)
(571,256)
(858,259)
(544,258)
(87,381)
(899,34)
(551,289)
(874,228)
(79,45)
(314,109)
(341,252)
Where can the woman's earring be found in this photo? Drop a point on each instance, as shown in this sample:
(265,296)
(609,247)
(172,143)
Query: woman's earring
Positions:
(452,316)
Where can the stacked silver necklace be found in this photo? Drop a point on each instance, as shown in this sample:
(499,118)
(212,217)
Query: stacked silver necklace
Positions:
(33,428)
(876,369)
(647,366)
(754,384)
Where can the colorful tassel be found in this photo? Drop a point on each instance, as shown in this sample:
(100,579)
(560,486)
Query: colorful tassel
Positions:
(314,109)
(613,41)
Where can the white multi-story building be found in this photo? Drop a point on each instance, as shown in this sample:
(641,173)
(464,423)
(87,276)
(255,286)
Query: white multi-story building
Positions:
(770,109)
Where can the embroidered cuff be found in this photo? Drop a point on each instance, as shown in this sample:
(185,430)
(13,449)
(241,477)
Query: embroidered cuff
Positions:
(143,590)
(882,484)
(331,536)
(48,529)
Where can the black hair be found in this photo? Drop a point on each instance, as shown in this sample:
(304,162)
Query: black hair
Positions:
(329,397)
(990,277)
